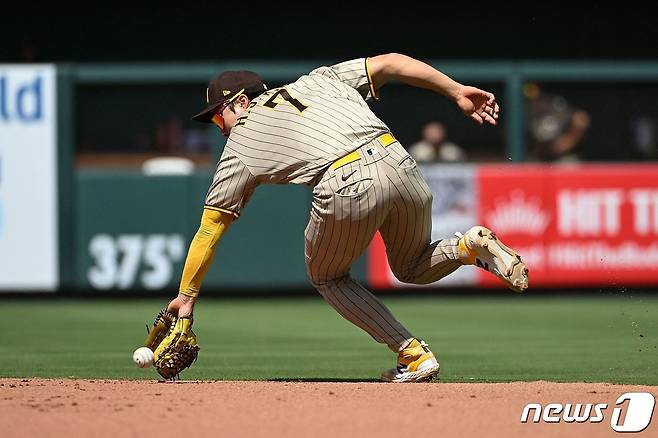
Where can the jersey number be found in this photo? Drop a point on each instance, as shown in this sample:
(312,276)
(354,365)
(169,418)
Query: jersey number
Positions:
(271,103)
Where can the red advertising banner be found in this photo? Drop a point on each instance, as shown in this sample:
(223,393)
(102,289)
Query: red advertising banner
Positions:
(577,224)
(574,225)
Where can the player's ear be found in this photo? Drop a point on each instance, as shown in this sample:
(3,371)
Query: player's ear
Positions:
(243,100)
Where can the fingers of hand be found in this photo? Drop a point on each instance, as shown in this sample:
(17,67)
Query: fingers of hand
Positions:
(475,116)
(488,118)
(490,113)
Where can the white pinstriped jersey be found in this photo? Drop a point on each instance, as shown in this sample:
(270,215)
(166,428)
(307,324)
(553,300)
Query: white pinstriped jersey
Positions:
(293,133)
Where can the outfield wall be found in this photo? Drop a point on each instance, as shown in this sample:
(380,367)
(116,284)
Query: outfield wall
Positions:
(575,225)
(63,228)
(132,232)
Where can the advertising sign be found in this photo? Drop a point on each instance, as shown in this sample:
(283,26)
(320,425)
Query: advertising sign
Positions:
(28,178)
(574,225)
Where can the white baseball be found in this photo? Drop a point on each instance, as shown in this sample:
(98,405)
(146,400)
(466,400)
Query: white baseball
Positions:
(143,357)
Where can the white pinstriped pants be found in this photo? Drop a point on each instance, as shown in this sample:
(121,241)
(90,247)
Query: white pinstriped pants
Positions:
(384,191)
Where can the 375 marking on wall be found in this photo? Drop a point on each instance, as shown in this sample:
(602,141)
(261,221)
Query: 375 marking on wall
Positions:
(128,260)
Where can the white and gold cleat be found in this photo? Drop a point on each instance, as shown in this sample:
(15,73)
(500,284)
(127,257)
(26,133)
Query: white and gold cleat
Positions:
(416,363)
(479,246)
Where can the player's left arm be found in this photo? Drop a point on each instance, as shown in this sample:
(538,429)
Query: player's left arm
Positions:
(171,338)
(232,186)
(476,104)
(214,224)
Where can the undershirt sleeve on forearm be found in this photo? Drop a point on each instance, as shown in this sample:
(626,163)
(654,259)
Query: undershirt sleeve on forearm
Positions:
(213,225)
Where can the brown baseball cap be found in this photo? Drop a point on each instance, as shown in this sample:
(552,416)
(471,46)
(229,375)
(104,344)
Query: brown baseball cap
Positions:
(228,86)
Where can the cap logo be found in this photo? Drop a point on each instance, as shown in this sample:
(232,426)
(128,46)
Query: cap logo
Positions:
(226,92)
(207,95)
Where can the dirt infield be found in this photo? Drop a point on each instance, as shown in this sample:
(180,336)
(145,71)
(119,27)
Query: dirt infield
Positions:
(122,408)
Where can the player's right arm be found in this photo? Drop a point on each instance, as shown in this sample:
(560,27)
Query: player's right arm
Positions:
(214,224)
(232,186)
(477,104)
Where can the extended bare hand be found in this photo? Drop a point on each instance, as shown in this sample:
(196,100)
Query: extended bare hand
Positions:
(182,305)
(478,105)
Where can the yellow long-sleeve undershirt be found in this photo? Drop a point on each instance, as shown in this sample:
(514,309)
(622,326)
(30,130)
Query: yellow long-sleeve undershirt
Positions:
(202,249)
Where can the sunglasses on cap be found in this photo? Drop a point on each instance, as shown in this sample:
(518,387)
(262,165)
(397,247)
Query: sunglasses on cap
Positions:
(217,118)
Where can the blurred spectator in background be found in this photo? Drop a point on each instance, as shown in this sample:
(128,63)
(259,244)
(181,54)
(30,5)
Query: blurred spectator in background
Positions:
(27,51)
(434,146)
(168,136)
(555,128)
(644,133)
(199,140)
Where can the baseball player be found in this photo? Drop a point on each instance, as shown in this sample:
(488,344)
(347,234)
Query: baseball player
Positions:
(320,132)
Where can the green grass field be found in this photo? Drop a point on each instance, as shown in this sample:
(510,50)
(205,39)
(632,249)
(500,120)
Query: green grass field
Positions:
(506,338)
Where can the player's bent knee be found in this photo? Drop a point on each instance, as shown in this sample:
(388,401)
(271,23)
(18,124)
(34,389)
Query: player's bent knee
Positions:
(316,280)
(320,283)
(323,283)
(324,288)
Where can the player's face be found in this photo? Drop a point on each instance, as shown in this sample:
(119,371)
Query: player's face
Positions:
(226,117)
